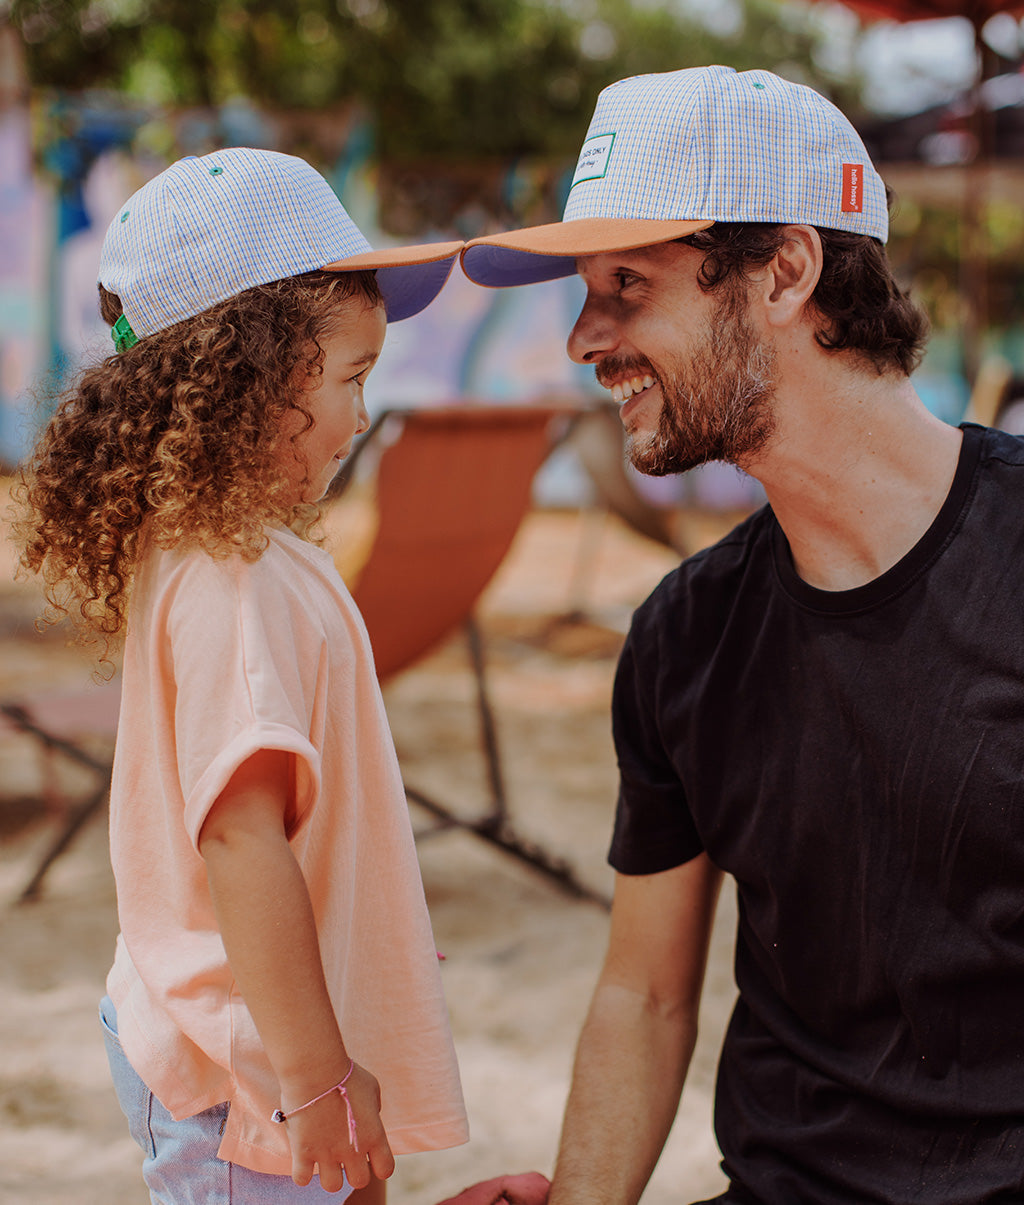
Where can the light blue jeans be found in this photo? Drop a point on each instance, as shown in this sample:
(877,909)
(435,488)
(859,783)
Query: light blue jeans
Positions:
(180,1166)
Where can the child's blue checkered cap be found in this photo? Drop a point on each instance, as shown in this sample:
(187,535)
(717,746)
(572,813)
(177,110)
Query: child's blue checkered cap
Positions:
(210,227)
(669,154)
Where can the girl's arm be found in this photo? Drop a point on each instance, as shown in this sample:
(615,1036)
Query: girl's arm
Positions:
(269,933)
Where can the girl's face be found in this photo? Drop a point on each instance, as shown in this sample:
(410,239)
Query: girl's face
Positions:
(335,402)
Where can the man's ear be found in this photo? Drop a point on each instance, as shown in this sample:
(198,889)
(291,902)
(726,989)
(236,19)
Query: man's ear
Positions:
(790,278)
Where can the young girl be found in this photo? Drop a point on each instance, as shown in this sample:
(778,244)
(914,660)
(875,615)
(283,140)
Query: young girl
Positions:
(274,1009)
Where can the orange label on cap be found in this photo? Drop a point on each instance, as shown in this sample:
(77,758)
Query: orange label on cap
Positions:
(853,187)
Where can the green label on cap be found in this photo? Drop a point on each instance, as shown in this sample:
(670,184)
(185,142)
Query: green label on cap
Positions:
(593,160)
(123,335)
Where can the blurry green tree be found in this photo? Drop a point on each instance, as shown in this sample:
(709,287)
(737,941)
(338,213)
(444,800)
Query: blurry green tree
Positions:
(438,77)
(476,107)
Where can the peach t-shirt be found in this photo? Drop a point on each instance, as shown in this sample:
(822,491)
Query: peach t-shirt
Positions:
(224,658)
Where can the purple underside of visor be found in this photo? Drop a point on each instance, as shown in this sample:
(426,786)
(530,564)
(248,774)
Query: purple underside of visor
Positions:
(498,266)
(409,288)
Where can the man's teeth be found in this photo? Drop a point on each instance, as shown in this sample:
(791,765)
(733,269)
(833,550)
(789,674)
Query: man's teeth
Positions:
(623,390)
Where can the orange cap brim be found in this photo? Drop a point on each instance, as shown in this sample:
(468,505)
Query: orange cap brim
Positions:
(409,277)
(548,252)
(396,257)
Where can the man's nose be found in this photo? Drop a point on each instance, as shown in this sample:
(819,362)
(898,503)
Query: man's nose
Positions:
(594,336)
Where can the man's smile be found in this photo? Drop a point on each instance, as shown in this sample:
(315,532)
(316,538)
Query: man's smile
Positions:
(623,390)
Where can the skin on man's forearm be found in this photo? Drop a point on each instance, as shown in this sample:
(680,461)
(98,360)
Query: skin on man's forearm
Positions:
(630,1067)
(637,1041)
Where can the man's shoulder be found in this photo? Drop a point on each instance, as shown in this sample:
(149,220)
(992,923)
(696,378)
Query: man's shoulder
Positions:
(999,446)
(995,492)
(703,585)
(719,564)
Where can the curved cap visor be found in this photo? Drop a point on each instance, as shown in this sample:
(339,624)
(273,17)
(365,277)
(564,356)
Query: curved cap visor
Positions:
(538,253)
(409,277)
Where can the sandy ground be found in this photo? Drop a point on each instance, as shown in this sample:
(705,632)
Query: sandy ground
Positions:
(521,953)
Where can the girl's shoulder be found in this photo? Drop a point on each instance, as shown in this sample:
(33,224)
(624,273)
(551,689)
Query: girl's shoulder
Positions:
(284,573)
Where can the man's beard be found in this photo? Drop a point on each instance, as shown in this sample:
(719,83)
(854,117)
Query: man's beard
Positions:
(717,406)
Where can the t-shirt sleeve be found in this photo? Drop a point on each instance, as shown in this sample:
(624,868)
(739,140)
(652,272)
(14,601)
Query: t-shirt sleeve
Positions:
(245,664)
(654,830)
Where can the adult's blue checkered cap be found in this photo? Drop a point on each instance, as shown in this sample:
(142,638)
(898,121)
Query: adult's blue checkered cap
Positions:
(211,226)
(671,153)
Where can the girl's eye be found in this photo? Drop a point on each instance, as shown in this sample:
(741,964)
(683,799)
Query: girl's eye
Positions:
(359,378)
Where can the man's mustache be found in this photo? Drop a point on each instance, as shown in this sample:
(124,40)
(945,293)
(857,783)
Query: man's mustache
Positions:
(620,368)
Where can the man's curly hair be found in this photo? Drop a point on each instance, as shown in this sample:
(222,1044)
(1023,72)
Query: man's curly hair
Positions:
(860,307)
(175,441)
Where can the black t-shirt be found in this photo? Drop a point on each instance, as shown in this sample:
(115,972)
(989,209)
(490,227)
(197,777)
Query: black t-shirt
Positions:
(855,760)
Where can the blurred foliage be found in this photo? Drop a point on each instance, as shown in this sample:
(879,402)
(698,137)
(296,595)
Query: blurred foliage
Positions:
(926,248)
(458,78)
(476,107)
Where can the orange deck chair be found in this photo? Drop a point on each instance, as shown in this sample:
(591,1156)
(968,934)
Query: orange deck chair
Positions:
(450,487)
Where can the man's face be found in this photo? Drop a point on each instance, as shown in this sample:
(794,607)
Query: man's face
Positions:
(694,379)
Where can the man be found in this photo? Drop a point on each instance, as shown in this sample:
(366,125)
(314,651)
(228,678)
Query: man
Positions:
(826,705)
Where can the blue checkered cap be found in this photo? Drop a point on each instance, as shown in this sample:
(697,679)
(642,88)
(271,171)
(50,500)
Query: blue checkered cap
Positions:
(726,146)
(702,145)
(210,227)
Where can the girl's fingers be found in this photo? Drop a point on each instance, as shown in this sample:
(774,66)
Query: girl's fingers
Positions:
(332,1177)
(302,1172)
(382,1161)
(358,1173)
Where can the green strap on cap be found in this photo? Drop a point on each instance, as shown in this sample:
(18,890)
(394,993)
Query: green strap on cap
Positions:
(123,335)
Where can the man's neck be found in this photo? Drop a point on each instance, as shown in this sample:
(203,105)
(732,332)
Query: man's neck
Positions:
(856,472)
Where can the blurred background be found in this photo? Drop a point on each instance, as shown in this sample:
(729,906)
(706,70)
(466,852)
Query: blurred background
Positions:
(497,507)
(449,118)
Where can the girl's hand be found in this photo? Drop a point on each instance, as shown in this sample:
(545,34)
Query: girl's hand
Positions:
(319,1136)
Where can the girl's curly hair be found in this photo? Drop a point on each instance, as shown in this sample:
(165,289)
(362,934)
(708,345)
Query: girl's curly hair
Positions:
(175,441)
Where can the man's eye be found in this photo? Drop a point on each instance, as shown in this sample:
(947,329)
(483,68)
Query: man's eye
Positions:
(625,279)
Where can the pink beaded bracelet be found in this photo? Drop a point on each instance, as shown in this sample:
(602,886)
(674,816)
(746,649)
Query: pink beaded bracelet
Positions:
(279,1115)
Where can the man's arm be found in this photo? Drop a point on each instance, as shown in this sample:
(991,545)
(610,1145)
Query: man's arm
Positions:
(638,1037)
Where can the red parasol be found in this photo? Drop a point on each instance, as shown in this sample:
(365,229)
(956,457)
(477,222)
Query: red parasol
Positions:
(976,11)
